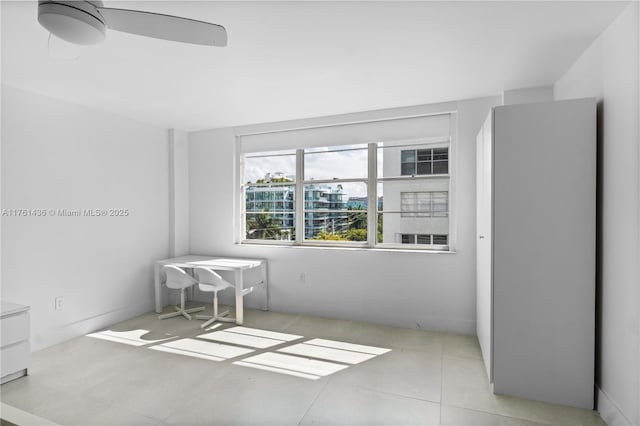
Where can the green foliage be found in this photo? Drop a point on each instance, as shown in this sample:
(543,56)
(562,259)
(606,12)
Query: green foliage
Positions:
(324,235)
(356,235)
(263,227)
(274,180)
(358,220)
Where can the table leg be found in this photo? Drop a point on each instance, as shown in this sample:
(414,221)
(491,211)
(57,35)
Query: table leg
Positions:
(239,297)
(157,287)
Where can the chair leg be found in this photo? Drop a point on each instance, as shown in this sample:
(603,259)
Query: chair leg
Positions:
(217,316)
(180,310)
(171,315)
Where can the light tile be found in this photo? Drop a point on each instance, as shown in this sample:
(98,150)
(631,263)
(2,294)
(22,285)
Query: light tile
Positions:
(465,385)
(325,328)
(461,345)
(248,396)
(454,416)
(159,384)
(347,405)
(67,407)
(274,321)
(411,374)
(82,362)
(16,416)
(400,338)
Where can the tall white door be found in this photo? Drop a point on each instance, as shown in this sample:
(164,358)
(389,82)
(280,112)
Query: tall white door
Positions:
(483,251)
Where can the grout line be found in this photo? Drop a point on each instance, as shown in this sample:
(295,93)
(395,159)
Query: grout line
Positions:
(399,395)
(499,415)
(314,400)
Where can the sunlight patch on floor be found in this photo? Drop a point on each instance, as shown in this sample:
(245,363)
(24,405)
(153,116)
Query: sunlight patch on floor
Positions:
(291,365)
(202,349)
(329,354)
(313,359)
(251,337)
(131,337)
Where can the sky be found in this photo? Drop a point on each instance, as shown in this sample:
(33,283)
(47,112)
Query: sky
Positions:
(320,163)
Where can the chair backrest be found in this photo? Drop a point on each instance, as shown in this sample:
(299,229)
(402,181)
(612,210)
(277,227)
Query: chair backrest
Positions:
(209,280)
(177,277)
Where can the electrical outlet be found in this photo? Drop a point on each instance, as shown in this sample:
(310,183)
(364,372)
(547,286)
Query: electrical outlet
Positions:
(59,302)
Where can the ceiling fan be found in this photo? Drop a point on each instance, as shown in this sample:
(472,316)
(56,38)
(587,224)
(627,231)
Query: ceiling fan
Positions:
(85,22)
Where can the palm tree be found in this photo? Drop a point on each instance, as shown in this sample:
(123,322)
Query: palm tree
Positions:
(263,226)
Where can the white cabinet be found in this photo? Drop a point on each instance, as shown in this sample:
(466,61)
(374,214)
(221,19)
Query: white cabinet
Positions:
(536,225)
(15,352)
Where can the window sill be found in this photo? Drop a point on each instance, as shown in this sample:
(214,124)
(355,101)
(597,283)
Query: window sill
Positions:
(377,249)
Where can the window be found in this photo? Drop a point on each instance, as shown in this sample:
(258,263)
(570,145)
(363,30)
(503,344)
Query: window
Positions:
(424,239)
(332,177)
(386,194)
(425,161)
(424,204)
(269,194)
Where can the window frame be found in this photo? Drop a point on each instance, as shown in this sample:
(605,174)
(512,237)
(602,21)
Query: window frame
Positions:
(372,180)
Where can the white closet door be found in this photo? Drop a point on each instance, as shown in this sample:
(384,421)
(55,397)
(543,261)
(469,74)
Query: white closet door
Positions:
(544,251)
(484,234)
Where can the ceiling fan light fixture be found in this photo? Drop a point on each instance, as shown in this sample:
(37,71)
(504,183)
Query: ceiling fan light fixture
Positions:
(85,22)
(72,22)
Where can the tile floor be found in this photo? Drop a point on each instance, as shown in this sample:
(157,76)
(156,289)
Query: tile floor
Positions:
(426,378)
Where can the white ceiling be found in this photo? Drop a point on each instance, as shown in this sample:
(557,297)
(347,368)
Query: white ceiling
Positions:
(296,59)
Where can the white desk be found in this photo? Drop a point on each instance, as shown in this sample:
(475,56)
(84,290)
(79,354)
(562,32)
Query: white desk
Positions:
(218,264)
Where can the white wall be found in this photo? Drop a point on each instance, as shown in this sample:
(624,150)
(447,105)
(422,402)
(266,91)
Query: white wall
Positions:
(56,155)
(178,193)
(608,70)
(528,95)
(426,290)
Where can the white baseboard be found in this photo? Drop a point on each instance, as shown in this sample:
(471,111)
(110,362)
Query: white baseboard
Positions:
(609,410)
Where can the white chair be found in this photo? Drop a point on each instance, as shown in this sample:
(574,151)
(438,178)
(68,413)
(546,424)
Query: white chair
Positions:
(210,281)
(180,280)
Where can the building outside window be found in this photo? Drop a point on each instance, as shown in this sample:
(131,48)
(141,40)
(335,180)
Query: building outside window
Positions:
(415,185)
(379,194)
(425,161)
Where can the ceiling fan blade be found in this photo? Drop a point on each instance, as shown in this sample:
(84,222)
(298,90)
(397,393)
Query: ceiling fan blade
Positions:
(165,27)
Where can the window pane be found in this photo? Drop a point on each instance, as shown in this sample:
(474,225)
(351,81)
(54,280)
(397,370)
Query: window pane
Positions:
(440,204)
(408,239)
(408,169)
(440,239)
(424,168)
(440,167)
(441,154)
(392,226)
(265,167)
(340,162)
(424,239)
(424,154)
(270,212)
(336,212)
(409,158)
